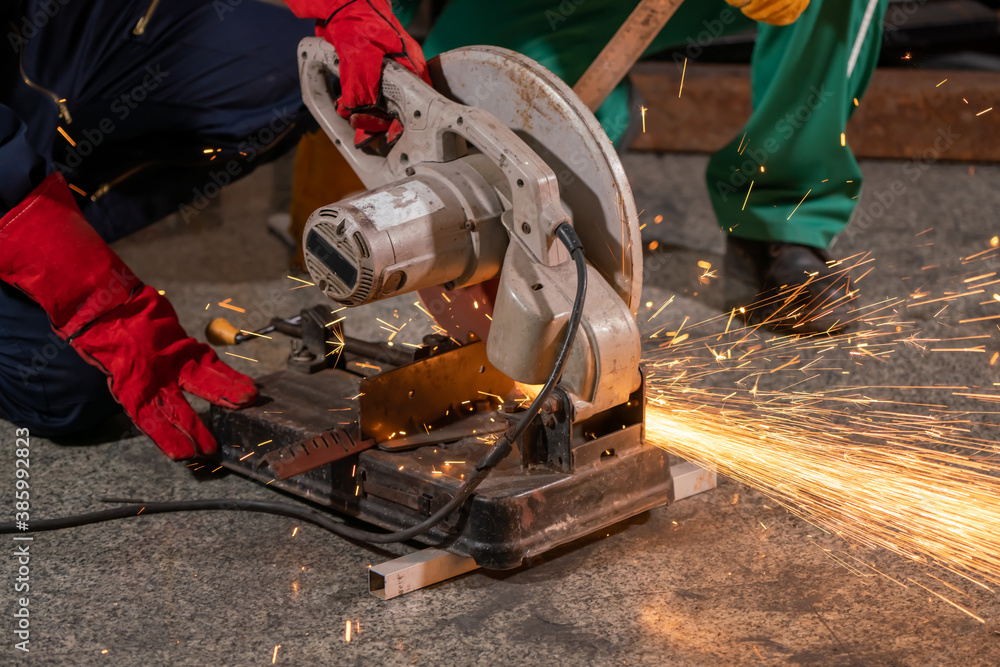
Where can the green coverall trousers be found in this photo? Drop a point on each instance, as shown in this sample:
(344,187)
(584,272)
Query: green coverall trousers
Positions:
(805,78)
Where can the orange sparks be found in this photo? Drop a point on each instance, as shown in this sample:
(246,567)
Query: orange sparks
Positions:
(872,475)
(980,277)
(797,205)
(226,304)
(980,319)
(77,190)
(241,357)
(953,604)
(660,309)
(347,632)
(254,333)
(274,656)
(683,72)
(66,136)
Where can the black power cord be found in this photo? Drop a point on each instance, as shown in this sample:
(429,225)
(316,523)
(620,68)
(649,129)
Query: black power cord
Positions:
(500,450)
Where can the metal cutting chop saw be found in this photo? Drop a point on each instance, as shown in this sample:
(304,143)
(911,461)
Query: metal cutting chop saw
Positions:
(471,209)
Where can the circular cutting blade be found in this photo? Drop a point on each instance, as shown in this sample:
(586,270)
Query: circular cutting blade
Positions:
(545,113)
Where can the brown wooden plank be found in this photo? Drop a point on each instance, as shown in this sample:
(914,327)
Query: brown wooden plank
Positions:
(901,116)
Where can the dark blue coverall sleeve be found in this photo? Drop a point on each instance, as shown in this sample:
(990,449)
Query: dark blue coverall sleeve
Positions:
(21,168)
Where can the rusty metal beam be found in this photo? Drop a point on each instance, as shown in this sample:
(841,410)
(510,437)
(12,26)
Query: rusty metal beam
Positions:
(903,114)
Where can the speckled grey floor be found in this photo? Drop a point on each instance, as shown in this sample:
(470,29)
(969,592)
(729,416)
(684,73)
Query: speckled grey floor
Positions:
(697,583)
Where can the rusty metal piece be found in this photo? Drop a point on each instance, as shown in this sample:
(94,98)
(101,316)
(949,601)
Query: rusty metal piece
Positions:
(327,447)
(476,424)
(403,400)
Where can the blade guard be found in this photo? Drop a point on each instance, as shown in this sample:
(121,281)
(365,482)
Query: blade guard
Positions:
(532,311)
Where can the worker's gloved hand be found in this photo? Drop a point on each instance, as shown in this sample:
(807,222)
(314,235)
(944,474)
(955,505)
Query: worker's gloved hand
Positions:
(775,12)
(114,321)
(364,33)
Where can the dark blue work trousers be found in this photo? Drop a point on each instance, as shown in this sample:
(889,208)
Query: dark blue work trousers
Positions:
(148,88)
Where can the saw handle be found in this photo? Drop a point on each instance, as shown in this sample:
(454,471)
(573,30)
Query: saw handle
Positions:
(318,60)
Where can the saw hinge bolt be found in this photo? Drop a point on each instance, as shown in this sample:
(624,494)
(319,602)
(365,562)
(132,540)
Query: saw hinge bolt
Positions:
(551,406)
(470,225)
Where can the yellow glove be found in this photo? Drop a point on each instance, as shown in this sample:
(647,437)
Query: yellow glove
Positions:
(775,12)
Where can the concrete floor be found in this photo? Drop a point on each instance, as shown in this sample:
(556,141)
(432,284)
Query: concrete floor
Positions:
(696,583)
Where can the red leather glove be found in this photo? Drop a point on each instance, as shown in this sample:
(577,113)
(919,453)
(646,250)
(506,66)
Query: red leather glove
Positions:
(364,33)
(125,328)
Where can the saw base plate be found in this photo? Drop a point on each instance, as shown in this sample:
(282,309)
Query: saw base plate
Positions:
(514,515)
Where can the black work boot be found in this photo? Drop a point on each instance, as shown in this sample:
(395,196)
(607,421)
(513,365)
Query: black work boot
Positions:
(786,286)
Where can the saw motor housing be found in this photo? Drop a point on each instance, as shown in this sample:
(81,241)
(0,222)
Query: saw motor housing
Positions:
(459,200)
